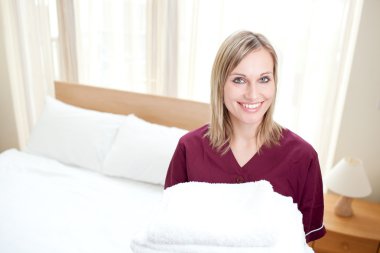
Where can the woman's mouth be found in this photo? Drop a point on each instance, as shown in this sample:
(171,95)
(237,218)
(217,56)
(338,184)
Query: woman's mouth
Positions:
(251,107)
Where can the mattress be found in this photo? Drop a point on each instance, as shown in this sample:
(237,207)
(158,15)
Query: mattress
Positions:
(46,206)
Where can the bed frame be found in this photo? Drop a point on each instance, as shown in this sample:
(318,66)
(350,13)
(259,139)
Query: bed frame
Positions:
(156,109)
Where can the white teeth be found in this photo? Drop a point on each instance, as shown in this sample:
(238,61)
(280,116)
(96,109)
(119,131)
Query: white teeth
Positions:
(251,106)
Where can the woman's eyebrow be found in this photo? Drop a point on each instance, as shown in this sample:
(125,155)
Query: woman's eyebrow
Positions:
(266,73)
(237,74)
(262,74)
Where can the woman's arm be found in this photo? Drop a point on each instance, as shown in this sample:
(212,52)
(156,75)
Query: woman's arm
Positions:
(177,172)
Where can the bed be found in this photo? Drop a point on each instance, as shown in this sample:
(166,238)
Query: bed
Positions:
(93,170)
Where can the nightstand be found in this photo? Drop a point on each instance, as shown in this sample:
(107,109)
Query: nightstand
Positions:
(357,234)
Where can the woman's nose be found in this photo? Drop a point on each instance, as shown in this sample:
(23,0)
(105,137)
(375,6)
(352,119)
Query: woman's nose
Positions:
(251,92)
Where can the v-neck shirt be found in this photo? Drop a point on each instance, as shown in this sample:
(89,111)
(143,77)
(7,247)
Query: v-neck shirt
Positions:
(292,167)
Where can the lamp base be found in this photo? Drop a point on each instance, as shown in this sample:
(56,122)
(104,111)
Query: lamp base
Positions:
(343,207)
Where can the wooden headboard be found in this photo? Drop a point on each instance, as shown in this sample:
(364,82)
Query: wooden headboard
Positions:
(156,109)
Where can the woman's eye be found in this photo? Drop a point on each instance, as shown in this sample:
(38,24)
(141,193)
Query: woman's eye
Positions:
(238,80)
(264,79)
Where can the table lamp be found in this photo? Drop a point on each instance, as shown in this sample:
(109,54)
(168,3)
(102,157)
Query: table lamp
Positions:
(348,179)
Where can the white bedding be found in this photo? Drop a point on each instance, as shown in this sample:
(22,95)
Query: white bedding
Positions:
(46,206)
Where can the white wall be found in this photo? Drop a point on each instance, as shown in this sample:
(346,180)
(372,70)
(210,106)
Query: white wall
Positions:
(360,127)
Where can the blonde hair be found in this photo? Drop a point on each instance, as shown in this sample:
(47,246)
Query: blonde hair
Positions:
(229,55)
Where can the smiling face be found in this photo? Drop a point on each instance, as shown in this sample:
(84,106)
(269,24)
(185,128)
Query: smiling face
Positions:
(250,88)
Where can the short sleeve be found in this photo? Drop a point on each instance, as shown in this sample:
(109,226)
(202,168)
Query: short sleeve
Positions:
(311,204)
(177,171)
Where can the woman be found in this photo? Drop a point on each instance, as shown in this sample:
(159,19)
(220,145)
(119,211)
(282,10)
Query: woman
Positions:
(243,143)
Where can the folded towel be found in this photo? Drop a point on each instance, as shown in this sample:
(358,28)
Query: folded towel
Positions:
(219,217)
(140,245)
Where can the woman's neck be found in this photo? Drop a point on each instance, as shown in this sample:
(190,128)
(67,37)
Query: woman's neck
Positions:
(243,143)
(244,133)
(244,136)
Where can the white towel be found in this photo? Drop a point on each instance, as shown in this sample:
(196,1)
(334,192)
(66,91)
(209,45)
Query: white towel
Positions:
(203,217)
(146,247)
(142,245)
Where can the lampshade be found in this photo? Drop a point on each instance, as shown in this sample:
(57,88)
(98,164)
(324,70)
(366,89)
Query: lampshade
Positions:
(349,179)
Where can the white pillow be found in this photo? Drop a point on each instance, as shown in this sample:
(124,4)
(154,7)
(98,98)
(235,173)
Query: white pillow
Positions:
(142,151)
(73,135)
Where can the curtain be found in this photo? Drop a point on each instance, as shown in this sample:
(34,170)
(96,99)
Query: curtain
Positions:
(110,39)
(26,29)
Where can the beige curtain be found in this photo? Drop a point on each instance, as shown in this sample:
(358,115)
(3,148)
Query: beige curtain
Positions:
(27,39)
(109,39)
(162,47)
(65,44)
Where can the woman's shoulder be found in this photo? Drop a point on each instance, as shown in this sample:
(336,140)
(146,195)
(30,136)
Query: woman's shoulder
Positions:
(194,136)
(291,141)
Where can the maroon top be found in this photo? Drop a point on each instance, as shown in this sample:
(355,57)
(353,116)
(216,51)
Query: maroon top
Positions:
(291,167)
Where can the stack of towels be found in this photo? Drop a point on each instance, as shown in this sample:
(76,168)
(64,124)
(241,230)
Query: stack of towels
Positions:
(236,218)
